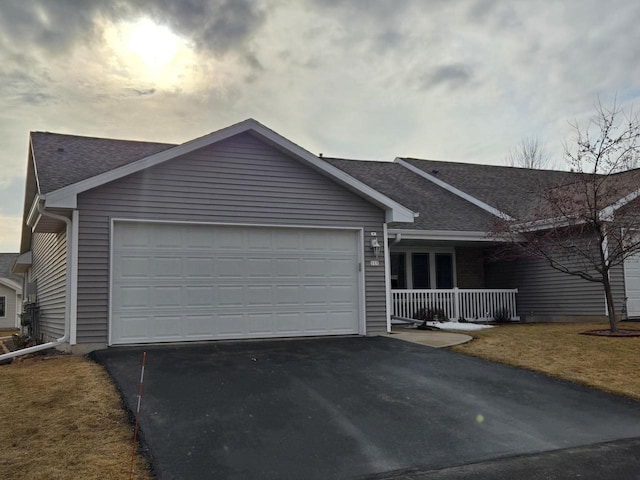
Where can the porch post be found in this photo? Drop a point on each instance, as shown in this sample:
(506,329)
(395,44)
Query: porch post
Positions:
(456,303)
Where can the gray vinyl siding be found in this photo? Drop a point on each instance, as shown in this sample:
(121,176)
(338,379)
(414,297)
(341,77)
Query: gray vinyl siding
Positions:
(48,271)
(469,267)
(9,318)
(241,180)
(545,291)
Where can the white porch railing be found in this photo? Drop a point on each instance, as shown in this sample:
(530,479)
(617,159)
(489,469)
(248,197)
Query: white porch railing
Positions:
(456,303)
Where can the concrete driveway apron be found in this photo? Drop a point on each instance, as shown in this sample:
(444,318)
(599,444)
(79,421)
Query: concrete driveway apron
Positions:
(349,407)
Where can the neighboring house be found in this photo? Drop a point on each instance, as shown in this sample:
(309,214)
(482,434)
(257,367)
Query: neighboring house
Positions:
(244,234)
(10,293)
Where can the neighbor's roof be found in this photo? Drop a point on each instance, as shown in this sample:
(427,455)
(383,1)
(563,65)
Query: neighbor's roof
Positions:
(420,195)
(6,260)
(63,160)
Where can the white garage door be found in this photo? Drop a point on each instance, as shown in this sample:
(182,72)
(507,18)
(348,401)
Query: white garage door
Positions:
(175,282)
(632,284)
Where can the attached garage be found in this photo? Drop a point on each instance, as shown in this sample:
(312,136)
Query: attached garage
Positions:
(184,282)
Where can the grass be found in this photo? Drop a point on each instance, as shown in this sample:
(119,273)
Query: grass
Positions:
(606,363)
(62,418)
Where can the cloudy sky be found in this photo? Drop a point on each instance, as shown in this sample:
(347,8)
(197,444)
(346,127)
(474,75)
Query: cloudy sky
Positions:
(371,79)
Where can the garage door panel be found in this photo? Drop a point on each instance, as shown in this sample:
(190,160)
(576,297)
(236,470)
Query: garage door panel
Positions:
(130,296)
(256,268)
(231,325)
(259,295)
(200,295)
(168,296)
(198,267)
(231,267)
(166,326)
(166,267)
(195,282)
(260,324)
(231,296)
(132,266)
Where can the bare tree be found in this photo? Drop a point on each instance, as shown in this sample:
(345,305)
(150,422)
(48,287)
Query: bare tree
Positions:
(529,153)
(590,223)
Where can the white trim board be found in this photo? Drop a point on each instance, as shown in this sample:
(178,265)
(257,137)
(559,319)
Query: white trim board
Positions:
(453,235)
(469,198)
(66,197)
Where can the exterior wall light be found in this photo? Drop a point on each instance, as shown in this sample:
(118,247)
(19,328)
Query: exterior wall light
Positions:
(376,247)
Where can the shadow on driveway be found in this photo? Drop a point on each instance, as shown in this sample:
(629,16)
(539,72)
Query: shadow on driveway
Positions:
(348,407)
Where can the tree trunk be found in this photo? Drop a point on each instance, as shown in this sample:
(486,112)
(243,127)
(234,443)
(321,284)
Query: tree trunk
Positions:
(611,310)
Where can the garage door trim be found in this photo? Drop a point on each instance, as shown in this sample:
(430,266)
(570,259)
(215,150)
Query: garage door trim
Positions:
(360,257)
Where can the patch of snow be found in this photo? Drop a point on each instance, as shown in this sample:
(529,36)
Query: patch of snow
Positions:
(466,327)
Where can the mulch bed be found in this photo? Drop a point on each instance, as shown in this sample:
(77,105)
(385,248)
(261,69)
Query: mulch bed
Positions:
(609,333)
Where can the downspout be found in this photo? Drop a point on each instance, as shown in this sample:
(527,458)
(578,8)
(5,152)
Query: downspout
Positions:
(65,337)
(397,239)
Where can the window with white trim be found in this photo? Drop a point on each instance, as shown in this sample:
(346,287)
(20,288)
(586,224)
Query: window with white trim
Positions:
(422,270)
(3,306)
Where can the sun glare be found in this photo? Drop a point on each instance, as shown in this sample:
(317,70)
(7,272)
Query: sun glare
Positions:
(155,44)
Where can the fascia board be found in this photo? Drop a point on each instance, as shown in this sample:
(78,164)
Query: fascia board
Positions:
(33,214)
(67,197)
(609,211)
(447,235)
(454,190)
(11,284)
(409,234)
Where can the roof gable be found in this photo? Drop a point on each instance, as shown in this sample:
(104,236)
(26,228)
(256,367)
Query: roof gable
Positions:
(127,162)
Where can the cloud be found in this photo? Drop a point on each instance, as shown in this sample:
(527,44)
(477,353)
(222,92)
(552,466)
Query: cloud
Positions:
(9,233)
(451,76)
(55,27)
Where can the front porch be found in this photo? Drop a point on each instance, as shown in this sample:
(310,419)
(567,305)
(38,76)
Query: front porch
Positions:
(447,278)
(456,303)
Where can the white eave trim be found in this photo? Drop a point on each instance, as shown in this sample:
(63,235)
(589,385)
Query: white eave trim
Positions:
(22,263)
(449,235)
(67,197)
(34,214)
(608,212)
(454,190)
(11,284)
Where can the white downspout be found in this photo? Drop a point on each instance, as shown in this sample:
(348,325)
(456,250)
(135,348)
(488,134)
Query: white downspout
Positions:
(67,309)
(387,275)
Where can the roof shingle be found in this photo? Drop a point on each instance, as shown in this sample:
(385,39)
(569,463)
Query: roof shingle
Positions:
(63,160)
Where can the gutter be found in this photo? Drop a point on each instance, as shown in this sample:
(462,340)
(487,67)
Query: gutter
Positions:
(67,308)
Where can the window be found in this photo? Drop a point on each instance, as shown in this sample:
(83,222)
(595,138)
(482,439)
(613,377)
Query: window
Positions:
(420,270)
(423,269)
(444,270)
(398,270)
(3,306)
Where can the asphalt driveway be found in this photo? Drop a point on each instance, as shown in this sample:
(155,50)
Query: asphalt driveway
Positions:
(349,407)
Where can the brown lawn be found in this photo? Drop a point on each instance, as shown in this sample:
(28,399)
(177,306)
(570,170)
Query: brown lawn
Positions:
(608,363)
(62,418)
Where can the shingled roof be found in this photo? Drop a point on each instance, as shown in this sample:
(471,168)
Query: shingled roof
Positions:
(6,260)
(439,209)
(512,190)
(63,160)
